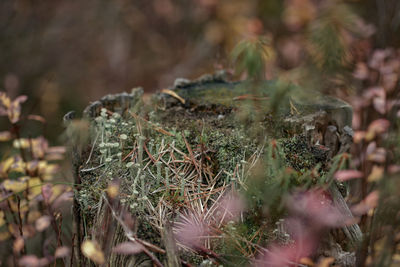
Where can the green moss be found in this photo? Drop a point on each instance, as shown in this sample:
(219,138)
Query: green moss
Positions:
(219,142)
(300,155)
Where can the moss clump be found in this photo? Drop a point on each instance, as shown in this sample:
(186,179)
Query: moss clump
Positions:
(183,157)
(300,155)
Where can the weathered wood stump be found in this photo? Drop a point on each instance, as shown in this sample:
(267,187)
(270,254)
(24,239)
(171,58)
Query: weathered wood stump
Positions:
(191,141)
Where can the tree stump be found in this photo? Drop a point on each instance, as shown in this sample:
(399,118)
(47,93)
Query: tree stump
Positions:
(187,147)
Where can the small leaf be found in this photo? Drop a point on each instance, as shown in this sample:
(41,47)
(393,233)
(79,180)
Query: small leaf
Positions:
(173,94)
(392,169)
(377,127)
(128,248)
(2,221)
(5,136)
(326,262)
(37,118)
(306,261)
(33,216)
(35,187)
(92,251)
(20,99)
(14,186)
(18,244)
(21,143)
(47,193)
(5,101)
(346,175)
(4,236)
(62,252)
(376,174)
(113,190)
(378,155)
(47,171)
(370,202)
(42,223)
(5,165)
(29,261)
(14,110)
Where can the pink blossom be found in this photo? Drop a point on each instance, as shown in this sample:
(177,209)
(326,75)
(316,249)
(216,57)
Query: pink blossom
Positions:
(229,208)
(345,175)
(278,256)
(190,231)
(317,208)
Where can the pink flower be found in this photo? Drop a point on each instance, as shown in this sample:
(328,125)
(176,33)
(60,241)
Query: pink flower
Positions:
(190,230)
(278,256)
(317,209)
(229,208)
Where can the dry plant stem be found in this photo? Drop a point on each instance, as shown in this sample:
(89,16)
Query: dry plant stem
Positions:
(170,246)
(352,232)
(20,222)
(71,263)
(76,159)
(129,235)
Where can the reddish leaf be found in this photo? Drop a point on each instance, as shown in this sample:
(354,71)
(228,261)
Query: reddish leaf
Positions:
(62,252)
(5,136)
(5,101)
(378,155)
(394,169)
(47,192)
(377,127)
(18,244)
(37,118)
(128,248)
(370,202)
(20,99)
(346,175)
(29,261)
(42,223)
(14,110)
(92,251)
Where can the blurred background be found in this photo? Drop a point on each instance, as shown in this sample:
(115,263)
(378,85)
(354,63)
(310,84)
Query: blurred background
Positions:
(65,53)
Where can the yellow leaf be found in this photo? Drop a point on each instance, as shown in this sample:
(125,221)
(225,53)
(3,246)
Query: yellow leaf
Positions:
(376,174)
(4,100)
(5,165)
(56,191)
(18,244)
(173,94)
(396,257)
(113,190)
(5,136)
(4,236)
(2,221)
(39,147)
(42,223)
(14,110)
(14,186)
(325,262)
(33,216)
(21,143)
(379,245)
(35,187)
(47,171)
(307,261)
(23,207)
(13,229)
(32,166)
(92,251)
(18,165)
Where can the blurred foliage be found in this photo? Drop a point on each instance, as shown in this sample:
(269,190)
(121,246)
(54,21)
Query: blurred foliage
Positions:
(31,197)
(55,50)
